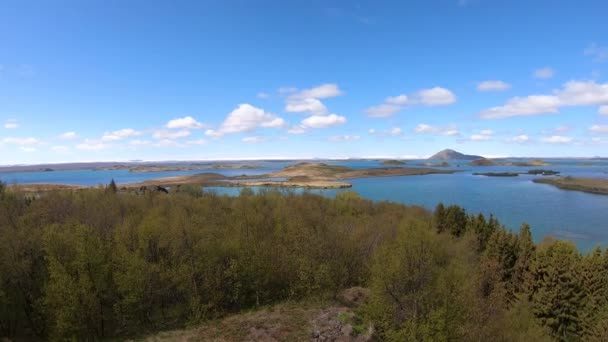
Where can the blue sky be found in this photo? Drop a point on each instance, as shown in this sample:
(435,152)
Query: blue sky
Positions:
(174,80)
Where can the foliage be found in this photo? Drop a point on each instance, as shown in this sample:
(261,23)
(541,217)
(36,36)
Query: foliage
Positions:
(98,264)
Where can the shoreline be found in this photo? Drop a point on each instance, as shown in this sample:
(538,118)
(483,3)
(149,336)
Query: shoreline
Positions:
(598,186)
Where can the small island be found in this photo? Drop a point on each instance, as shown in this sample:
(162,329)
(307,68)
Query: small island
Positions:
(543,172)
(496,174)
(535,162)
(392,162)
(591,185)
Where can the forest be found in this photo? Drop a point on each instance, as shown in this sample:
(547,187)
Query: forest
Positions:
(101,264)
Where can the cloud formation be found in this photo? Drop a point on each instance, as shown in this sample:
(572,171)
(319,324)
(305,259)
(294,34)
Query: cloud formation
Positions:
(519,139)
(395,131)
(21,141)
(600,129)
(166,134)
(436,96)
(323,121)
(557,139)
(429,129)
(186,122)
(337,138)
(120,134)
(572,93)
(597,52)
(309,100)
(68,136)
(11,124)
(483,135)
(91,145)
(493,85)
(544,73)
(246,118)
(253,139)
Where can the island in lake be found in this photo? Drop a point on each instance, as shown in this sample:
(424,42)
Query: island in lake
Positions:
(392,162)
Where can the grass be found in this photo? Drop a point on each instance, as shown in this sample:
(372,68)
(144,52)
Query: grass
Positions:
(289,321)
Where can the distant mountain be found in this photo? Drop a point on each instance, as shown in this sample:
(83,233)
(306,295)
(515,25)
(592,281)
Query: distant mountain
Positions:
(453,155)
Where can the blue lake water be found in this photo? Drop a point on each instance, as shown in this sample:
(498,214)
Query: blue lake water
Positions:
(571,215)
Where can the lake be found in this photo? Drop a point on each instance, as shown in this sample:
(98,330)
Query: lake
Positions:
(572,215)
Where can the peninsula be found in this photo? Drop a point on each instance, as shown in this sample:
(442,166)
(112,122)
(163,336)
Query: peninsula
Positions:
(301,175)
(591,185)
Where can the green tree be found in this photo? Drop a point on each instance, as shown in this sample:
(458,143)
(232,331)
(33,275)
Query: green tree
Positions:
(557,296)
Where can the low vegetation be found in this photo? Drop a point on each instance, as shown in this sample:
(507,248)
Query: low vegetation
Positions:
(592,185)
(496,174)
(103,264)
(392,162)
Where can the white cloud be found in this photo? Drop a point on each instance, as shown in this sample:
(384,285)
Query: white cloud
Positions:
(21,141)
(296,130)
(598,140)
(164,134)
(597,52)
(603,110)
(424,128)
(91,145)
(186,122)
(11,124)
(480,137)
(601,129)
(138,142)
(484,135)
(344,138)
(28,149)
(519,139)
(318,121)
(60,149)
(428,129)
(544,73)
(120,134)
(518,106)
(253,139)
(493,85)
(583,93)
(395,131)
(383,110)
(168,143)
(450,132)
(572,93)
(246,118)
(320,92)
(68,136)
(306,105)
(397,100)
(436,96)
(309,100)
(557,139)
(197,142)
(213,133)
(262,95)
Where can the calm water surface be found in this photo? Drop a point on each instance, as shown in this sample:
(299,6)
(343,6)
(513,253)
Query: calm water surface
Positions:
(572,215)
